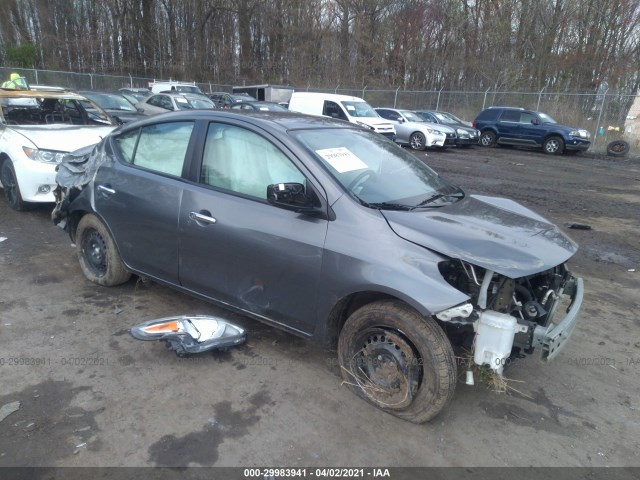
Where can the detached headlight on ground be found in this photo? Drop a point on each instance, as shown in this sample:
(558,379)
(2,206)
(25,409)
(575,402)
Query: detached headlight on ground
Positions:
(190,334)
(44,156)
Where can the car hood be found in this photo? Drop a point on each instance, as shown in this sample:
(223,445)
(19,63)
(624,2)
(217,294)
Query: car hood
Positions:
(63,138)
(374,121)
(428,125)
(125,115)
(492,233)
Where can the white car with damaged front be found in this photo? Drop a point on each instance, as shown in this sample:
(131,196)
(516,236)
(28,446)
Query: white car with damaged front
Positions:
(37,129)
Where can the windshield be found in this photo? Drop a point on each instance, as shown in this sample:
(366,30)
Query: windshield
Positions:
(110,102)
(200,103)
(546,118)
(359,109)
(445,118)
(242,98)
(376,171)
(52,110)
(412,117)
(188,89)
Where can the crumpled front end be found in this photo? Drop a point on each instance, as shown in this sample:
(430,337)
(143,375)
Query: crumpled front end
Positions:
(74,173)
(533,313)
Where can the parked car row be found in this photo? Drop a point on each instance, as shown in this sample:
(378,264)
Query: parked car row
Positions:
(418,129)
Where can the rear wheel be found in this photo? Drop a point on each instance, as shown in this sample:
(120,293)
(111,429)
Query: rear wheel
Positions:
(417,141)
(553,146)
(397,360)
(10,186)
(97,252)
(488,139)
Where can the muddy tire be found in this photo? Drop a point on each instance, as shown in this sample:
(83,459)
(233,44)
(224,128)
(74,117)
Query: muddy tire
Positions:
(488,139)
(10,186)
(98,255)
(397,360)
(553,146)
(618,148)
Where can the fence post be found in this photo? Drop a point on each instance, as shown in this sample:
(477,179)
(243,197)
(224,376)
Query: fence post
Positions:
(485,98)
(35,72)
(308,86)
(438,100)
(336,90)
(395,99)
(365,87)
(91,80)
(595,133)
(539,97)
(130,81)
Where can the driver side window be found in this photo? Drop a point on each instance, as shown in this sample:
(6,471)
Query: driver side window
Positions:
(333,110)
(242,161)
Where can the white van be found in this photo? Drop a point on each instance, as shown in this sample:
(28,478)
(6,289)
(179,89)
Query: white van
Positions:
(343,107)
(173,86)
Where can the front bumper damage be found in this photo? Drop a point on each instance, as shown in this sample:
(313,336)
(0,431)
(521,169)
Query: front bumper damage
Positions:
(497,335)
(552,338)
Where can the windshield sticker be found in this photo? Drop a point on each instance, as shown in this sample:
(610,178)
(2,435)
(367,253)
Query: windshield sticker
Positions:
(351,108)
(181,100)
(342,159)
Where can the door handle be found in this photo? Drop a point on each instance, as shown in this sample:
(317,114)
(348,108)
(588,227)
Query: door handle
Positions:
(106,189)
(202,218)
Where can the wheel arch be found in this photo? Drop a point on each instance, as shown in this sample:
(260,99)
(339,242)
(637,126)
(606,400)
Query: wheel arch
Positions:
(348,304)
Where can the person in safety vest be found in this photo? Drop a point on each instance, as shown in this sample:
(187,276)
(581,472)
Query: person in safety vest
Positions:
(16,82)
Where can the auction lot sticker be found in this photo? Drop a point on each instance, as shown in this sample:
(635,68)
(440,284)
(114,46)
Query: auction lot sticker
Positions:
(342,159)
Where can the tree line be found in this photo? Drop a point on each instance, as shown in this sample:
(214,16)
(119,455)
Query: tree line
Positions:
(559,45)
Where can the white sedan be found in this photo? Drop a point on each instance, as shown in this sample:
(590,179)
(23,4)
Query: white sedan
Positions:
(37,129)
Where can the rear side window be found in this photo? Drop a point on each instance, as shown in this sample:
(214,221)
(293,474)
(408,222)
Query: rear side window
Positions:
(161,148)
(127,145)
(489,114)
(510,116)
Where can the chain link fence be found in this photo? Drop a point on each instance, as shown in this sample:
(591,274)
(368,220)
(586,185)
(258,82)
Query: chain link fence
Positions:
(596,112)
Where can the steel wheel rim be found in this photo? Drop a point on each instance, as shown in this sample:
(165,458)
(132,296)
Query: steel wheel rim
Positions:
(386,366)
(94,251)
(10,185)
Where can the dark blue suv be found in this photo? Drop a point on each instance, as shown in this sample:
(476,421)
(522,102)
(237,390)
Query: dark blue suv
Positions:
(527,128)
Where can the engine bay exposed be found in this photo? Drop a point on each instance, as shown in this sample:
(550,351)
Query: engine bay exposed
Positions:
(531,300)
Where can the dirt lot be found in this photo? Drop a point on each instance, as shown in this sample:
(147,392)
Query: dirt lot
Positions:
(91,395)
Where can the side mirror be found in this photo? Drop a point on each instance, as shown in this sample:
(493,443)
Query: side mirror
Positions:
(140,110)
(535,121)
(400,119)
(292,196)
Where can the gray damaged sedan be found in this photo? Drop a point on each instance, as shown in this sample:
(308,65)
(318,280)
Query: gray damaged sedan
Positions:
(331,232)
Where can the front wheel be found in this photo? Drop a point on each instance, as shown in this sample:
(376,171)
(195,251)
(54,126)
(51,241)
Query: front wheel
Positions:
(397,360)
(417,141)
(10,186)
(98,255)
(553,146)
(488,139)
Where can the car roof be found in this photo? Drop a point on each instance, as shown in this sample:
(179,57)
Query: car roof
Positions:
(10,93)
(282,121)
